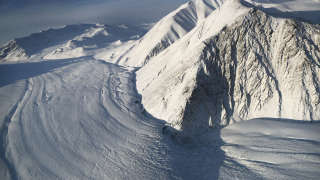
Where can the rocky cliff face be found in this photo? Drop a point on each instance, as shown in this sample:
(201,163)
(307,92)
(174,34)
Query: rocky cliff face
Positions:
(12,51)
(260,66)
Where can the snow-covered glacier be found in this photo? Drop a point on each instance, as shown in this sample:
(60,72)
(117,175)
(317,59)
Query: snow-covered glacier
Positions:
(217,89)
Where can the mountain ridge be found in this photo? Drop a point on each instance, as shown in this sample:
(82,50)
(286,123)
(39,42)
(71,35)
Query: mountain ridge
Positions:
(181,93)
(170,29)
(69,41)
(73,108)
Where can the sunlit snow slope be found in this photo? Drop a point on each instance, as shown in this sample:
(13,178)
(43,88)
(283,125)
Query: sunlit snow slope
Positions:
(240,63)
(71,41)
(77,118)
(169,29)
(82,119)
(68,110)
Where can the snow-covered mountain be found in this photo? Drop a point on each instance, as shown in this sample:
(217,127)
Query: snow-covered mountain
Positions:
(70,41)
(243,58)
(240,63)
(72,107)
(169,29)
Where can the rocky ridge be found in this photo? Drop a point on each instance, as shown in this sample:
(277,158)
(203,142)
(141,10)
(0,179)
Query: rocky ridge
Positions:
(260,66)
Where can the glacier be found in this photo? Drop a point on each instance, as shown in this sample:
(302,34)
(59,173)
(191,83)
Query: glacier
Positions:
(217,89)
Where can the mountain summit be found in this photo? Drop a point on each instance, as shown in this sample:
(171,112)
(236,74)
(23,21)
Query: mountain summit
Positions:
(240,62)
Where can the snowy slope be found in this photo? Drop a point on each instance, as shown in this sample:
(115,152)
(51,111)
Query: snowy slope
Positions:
(71,41)
(248,65)
(77,119)
(66,113)
(207,16)
(82,119)
(168,30)
(271,149)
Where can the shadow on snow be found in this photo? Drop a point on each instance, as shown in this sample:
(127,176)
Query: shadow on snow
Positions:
(10,73)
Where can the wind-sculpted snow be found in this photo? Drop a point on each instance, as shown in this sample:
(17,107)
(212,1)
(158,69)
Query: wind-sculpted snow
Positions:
(80,119)
(216,62)
(271,149)
(257,66)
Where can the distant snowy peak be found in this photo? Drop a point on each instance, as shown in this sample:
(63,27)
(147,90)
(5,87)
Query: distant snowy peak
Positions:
(239,63)
(67,42)
(169,29)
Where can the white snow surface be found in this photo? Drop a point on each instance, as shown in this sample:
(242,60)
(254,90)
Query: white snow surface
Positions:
(74,41)
(169,29)
(78,118)
(70,108)
(82,119)
(271,149)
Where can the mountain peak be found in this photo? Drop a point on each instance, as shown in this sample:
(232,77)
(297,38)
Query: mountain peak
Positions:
(246,65)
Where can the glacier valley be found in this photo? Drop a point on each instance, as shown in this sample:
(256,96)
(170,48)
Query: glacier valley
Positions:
(217,89)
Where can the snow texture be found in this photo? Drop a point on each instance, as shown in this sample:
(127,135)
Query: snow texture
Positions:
(69,111)
(82,119)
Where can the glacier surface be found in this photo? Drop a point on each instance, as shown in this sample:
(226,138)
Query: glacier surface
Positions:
(217,89)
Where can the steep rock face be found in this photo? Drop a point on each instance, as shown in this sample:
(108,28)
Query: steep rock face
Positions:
(260,66)
(169,29)
(13,51)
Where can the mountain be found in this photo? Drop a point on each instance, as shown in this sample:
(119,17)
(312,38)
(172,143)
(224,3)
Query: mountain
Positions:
(208,63)
(233,54)
(241,63)
(73,108)
(169,29)
(69,42)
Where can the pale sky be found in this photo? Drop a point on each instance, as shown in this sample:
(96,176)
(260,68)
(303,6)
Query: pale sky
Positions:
(21,17)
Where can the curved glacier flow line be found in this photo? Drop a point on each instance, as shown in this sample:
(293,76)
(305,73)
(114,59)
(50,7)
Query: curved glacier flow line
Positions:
(82,120)
(4,140)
